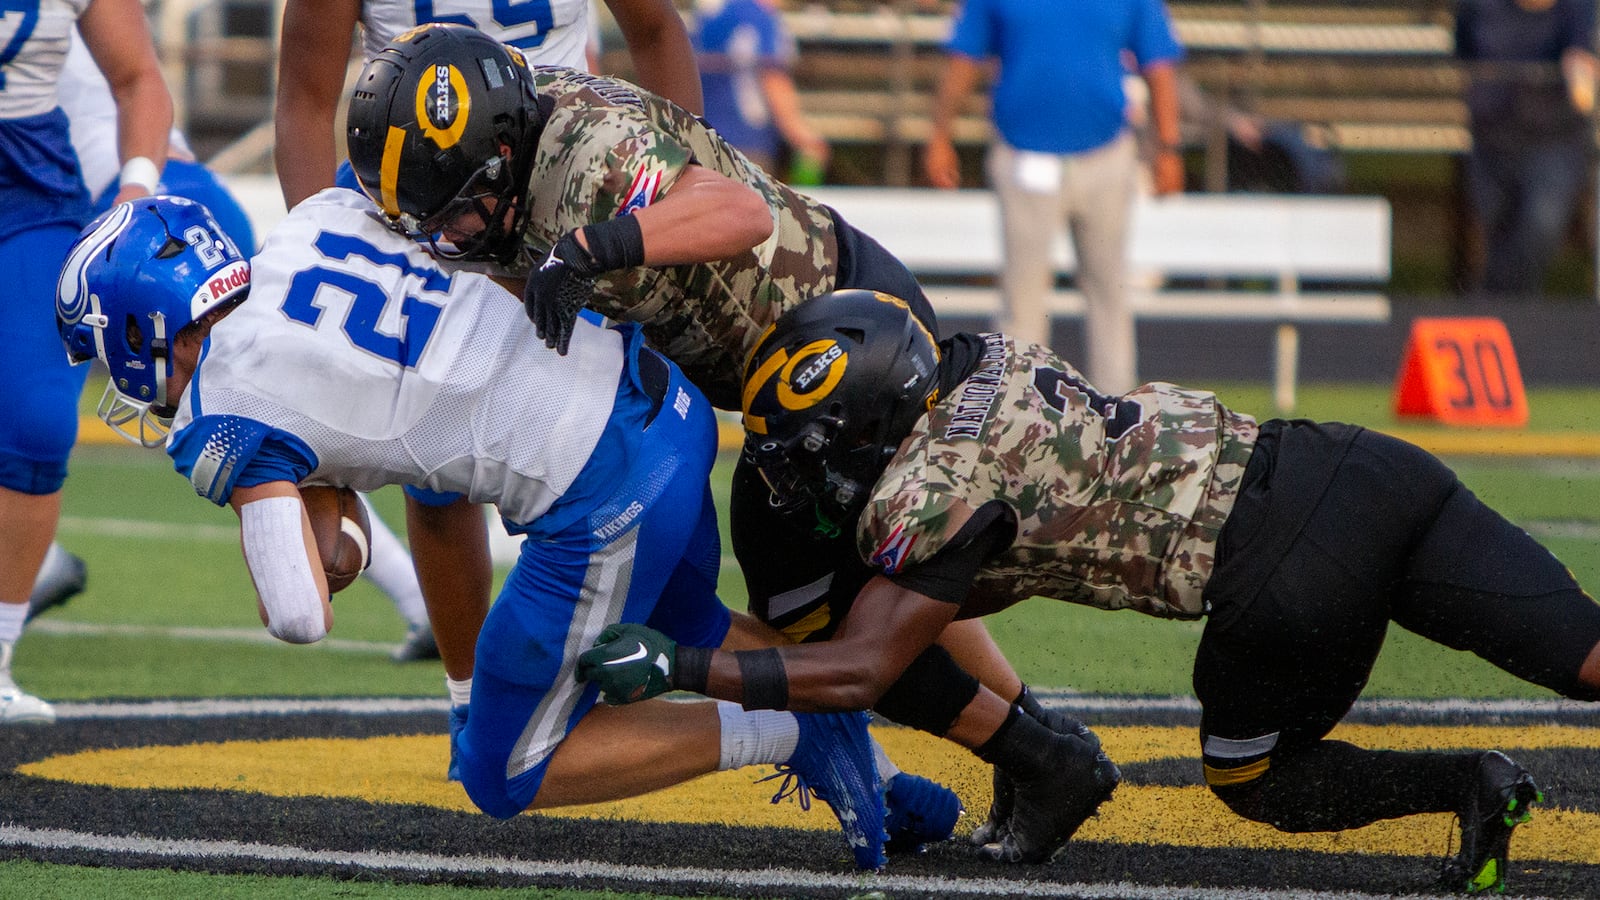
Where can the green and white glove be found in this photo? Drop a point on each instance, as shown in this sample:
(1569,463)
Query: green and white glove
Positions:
(630,662)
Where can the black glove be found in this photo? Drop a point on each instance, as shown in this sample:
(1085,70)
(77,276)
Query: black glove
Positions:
(558,289)
(565,282)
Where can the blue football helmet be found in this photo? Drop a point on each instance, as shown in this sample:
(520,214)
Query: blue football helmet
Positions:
(136,276)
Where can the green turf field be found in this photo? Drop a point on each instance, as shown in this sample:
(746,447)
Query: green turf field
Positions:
(169,612)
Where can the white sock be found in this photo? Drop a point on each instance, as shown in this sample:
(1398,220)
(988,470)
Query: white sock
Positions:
(393,571)
(460,691)
(12,615)
(886,767)
(756,737)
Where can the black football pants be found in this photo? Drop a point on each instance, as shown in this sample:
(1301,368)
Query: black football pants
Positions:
(1339,531)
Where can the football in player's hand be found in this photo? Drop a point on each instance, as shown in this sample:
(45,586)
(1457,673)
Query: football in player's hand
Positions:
(344,533)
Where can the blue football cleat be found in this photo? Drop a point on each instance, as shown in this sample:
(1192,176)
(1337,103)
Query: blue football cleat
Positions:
(834,760)
(918,811)
(458,721)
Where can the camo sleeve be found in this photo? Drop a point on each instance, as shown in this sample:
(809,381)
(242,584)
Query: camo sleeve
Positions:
(948,574)
(638,171)
(600,159)
(911,515)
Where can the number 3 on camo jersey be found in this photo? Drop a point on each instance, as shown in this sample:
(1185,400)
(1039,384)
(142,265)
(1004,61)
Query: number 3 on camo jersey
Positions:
(367,299)
(506,14)
(30,18)
(1054,386)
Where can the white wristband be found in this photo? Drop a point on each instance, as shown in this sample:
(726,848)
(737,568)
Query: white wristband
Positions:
(141,171)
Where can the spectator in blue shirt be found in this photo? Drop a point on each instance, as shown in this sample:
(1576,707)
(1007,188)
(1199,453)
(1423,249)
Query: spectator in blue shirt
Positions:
(1064,152)
(746,57)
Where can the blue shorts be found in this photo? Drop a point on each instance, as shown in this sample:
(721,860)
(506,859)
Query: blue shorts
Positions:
(645,551)
(41,421)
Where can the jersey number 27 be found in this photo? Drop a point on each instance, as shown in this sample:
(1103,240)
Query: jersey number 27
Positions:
(368,299)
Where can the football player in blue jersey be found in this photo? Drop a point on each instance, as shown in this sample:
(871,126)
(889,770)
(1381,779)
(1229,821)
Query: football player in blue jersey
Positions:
(46,204)
(342,354)
(85,97)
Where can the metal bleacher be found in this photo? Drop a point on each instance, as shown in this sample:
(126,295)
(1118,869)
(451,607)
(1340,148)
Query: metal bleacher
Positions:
(1368,75)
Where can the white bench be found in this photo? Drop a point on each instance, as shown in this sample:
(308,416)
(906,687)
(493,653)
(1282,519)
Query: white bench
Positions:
(1276,243)
(1265,247)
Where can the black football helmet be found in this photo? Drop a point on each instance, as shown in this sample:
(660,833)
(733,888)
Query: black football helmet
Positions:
(443,118)
(830,391)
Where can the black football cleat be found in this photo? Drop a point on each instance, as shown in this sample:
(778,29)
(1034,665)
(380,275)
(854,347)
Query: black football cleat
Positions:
(418,645)
(1500,800)
(62,577)
(993,829)
(1049,806)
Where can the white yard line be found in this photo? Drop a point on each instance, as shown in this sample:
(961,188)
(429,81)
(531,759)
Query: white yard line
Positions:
(48,625)
(596,875)
(149,530)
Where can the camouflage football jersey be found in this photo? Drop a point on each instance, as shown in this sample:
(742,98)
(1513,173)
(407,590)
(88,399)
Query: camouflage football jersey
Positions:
(1118,501)
(609,149)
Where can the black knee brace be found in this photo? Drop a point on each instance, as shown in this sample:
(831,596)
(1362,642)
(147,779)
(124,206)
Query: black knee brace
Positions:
(930,693)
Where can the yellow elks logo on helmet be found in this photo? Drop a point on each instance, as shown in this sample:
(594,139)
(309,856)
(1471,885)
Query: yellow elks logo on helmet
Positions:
(443,106)
(410,34)
(800,381)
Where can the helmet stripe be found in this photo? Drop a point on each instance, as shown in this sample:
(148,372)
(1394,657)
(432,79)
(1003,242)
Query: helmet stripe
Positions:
(752,386)
(389,171)
(72,291)
(922,326)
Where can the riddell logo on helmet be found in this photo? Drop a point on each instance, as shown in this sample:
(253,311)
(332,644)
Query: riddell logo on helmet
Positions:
(219,287)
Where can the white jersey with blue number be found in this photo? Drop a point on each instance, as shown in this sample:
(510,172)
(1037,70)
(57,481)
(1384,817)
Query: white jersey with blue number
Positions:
(34,37)
(357,353)
(549,32)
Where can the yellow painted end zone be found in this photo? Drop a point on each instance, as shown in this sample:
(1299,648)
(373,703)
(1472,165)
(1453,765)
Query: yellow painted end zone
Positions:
(410,769)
